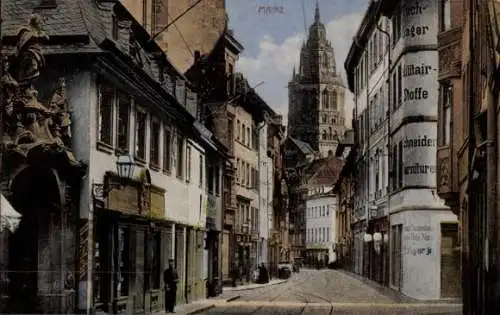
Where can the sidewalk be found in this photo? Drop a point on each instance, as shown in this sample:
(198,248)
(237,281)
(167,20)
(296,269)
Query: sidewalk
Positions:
(254,285)
(393,294)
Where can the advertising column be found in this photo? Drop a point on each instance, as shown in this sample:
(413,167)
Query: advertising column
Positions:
(418,210)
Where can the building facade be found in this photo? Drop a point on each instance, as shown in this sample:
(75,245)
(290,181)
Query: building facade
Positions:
(128,107)
(321,226)
(404,176)
(344,189)
(467,171)
(181,27)
(316,94)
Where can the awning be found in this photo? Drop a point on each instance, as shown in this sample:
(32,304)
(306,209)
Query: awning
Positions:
(9,218)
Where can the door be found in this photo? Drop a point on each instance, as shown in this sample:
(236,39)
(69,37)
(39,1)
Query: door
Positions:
(140,264)
(396,255)
(450,261)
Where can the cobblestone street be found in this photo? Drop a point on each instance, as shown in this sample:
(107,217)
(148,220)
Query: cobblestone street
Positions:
(323,292)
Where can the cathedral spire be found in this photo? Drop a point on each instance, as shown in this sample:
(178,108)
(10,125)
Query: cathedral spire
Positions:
(316,13)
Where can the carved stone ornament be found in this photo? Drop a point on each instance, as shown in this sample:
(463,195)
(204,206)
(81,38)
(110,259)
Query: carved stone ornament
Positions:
(34,133)
(444,174)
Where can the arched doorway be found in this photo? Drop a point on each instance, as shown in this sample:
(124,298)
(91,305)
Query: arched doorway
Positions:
(39,248)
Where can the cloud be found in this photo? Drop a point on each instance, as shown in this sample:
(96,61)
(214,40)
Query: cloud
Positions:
(274,63)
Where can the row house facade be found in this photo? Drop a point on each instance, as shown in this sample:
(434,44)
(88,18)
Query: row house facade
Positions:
(344,189)
(468,142)
(130,169)
(297,155)
(405,226)
(197,32)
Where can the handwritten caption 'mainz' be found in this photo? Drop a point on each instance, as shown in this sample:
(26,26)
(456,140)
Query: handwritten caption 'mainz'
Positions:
(270,9)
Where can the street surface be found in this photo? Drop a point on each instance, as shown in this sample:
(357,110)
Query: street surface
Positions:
(313,292)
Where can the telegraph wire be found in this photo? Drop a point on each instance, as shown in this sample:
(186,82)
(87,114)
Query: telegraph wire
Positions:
(174,20)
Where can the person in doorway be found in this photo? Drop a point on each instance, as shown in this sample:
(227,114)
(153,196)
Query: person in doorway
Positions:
(170,279)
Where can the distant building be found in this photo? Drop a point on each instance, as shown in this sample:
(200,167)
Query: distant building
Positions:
(316,94)
(321,225)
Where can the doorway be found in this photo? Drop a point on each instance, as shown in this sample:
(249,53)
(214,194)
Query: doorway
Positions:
(396,255)
(450,261)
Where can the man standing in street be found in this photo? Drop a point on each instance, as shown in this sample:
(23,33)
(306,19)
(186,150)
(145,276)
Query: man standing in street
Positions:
(170,279)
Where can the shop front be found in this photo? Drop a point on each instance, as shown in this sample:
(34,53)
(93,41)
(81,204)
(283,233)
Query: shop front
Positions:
(132,244)
(378,244)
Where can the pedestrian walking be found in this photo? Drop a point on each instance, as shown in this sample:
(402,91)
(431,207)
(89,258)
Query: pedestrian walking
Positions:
(170,279)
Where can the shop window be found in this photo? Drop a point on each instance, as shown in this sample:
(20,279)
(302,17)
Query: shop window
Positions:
(155,260)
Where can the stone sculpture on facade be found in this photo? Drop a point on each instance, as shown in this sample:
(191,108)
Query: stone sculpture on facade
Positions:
(33,132)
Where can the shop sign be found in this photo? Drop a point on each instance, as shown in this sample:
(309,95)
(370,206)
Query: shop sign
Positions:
(419,155)
(419,22)
(157,206)
(124,199)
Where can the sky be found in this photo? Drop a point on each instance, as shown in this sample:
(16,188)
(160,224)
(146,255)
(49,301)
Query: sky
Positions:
(272,41)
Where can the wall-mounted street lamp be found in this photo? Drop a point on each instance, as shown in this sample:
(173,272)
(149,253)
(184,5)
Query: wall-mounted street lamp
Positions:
(125,166)
(367,238)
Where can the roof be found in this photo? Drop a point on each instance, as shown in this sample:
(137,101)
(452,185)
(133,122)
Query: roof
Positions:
(324,171)
(70,21)
(302,146)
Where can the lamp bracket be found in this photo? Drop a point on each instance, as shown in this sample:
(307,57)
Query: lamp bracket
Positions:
(100,190)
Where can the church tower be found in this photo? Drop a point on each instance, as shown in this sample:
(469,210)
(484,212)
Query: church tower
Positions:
(316,94)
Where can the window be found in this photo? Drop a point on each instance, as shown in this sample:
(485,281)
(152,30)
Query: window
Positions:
(249,135)
(188,163)
(201,171)
(238,130)
(396,26)
(400,164)
(106,99)
(167,149)
(243,134)
(248,175)
(447,99)
(154,149)
(324,99)
(230,79)
(400,86)
(445,15)
(394,91)
(140,135)
(217,179)
(394,168)
(237,170)
(180,156)
(210,171)
(123,121)
(334,100)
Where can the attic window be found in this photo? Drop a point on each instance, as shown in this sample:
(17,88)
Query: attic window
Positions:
(47,4)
